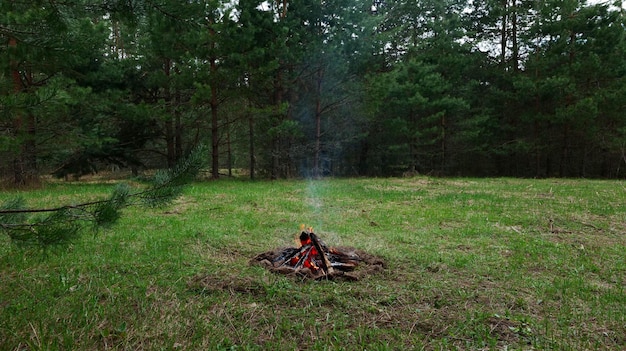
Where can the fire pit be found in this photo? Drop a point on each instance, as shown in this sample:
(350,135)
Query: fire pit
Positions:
(314,259)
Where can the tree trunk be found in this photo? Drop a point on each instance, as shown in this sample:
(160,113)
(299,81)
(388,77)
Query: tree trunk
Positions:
(363,155)
(274,171)
(15,73)
(515,47)
(251,139)
(118,44)
(503,33)
(278,99)
(317,172)
(18,166)
(564,152)
(215,143)
(443,143)
(536,150)
(214,103)
(169,137)
(569,100)
(169,120)
(229,151)
(283,8)
(178,128)
(24,131)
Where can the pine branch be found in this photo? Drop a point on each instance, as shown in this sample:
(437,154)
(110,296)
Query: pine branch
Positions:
(44,227)
(168,185)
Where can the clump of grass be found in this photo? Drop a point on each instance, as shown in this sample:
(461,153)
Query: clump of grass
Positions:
(471,264)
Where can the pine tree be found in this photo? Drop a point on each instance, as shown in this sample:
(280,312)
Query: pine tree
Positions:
(44,47)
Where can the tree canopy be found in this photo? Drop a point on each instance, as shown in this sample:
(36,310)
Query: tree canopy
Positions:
(312,88)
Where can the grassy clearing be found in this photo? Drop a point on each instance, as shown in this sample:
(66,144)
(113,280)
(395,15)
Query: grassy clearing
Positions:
(472,264)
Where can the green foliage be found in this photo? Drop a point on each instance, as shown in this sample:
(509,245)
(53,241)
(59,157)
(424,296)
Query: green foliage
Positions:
(46,227)
(167,185)
(59,227)
(416,109)
(471,87)
(108,212)
(10,214)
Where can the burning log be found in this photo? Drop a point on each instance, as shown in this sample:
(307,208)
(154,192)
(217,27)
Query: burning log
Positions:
(314,259)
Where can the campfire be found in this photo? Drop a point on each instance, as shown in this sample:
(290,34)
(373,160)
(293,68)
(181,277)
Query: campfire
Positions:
(314,259)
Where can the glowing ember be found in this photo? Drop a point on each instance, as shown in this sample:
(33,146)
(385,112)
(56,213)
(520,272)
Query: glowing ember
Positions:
(308,255)
(314,259)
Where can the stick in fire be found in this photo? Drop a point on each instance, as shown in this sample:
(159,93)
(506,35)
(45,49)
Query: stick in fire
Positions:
(325,263)
(314,255)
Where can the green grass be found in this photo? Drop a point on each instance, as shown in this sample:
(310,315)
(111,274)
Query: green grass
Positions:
(472,264)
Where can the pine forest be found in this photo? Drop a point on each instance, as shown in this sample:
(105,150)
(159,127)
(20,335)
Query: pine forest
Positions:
(283,88)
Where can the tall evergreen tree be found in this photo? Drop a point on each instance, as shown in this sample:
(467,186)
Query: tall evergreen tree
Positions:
(327,106)
(45,48)
(502,87)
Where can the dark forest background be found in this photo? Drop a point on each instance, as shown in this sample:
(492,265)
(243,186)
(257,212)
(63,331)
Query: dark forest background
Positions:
(288,88)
